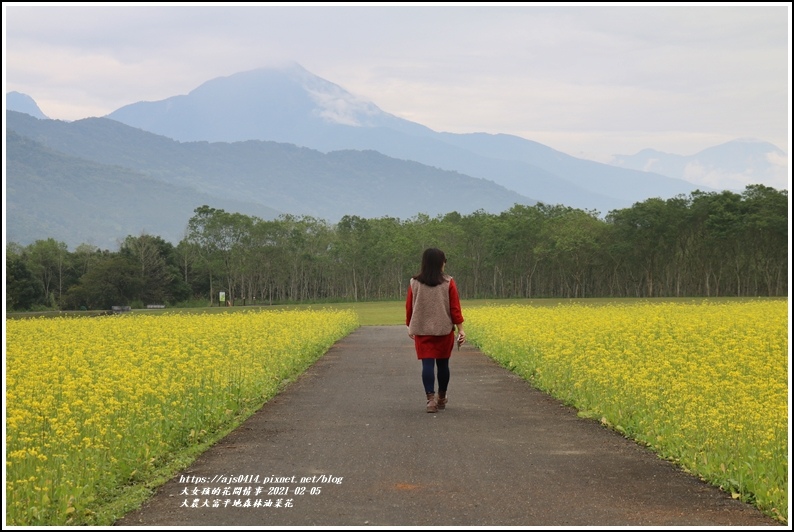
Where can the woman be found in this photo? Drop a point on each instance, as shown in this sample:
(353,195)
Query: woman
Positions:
(432,311)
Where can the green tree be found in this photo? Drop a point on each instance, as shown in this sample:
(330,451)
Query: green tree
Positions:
(647,234)
(577,242)
(48,260)
(205,231)
(766,238)
(21,287)
(719,219)
(113,280)
(158,271)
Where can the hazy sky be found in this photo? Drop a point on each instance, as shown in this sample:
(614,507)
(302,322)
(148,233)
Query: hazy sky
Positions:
(589,80)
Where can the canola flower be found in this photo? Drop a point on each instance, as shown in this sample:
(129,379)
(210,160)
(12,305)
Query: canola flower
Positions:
(93,404)
(704,385)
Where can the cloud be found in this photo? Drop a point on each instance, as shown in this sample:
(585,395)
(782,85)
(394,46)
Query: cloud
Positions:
(649,165)
(779,175)
(709,176)
(338,107)
(779,160)
(585,79)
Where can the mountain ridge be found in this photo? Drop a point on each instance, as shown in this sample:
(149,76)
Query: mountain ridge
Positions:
(74,200)
(737,161)
(290,104)
(280,104)
(296,180)
(23,103)
(333,154)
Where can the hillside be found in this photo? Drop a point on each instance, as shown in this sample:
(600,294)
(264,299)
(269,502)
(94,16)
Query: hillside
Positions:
(290,104)
(271,175)
(52,195)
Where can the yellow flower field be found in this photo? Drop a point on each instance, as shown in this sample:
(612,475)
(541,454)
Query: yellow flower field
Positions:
(94,403)
(705,385)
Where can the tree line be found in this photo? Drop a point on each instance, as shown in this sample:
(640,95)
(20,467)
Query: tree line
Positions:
(701,245)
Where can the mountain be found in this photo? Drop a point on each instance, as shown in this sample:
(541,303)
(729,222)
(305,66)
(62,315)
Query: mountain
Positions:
(282,140)
(289,104)
(262,174)
(75,201)
(739,162)
(22,103)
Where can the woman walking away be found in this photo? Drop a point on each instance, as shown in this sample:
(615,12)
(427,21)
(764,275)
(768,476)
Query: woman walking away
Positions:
(432,311)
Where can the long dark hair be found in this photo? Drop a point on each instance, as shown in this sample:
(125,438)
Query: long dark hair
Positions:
(433,260)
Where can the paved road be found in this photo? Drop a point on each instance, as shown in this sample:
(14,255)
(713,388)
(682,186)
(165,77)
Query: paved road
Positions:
(356,447)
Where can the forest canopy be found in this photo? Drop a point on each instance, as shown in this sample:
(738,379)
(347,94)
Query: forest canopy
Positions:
(701,245)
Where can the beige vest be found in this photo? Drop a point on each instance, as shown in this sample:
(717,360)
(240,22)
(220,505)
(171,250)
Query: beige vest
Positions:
(431,315)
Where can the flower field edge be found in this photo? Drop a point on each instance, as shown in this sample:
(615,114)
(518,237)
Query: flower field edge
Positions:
(99,411)
(703,386)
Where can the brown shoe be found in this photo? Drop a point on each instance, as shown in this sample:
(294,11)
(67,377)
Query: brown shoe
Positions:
(441,402)
(432,407)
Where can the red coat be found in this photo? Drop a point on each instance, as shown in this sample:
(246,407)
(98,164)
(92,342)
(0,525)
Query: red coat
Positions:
(436,346)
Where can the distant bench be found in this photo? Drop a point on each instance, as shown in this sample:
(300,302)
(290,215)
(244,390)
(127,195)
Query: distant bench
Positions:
(155,306)
(118,309)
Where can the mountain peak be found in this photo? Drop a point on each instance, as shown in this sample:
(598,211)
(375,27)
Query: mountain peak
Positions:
(335,104)
(285,102)
(22,103)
